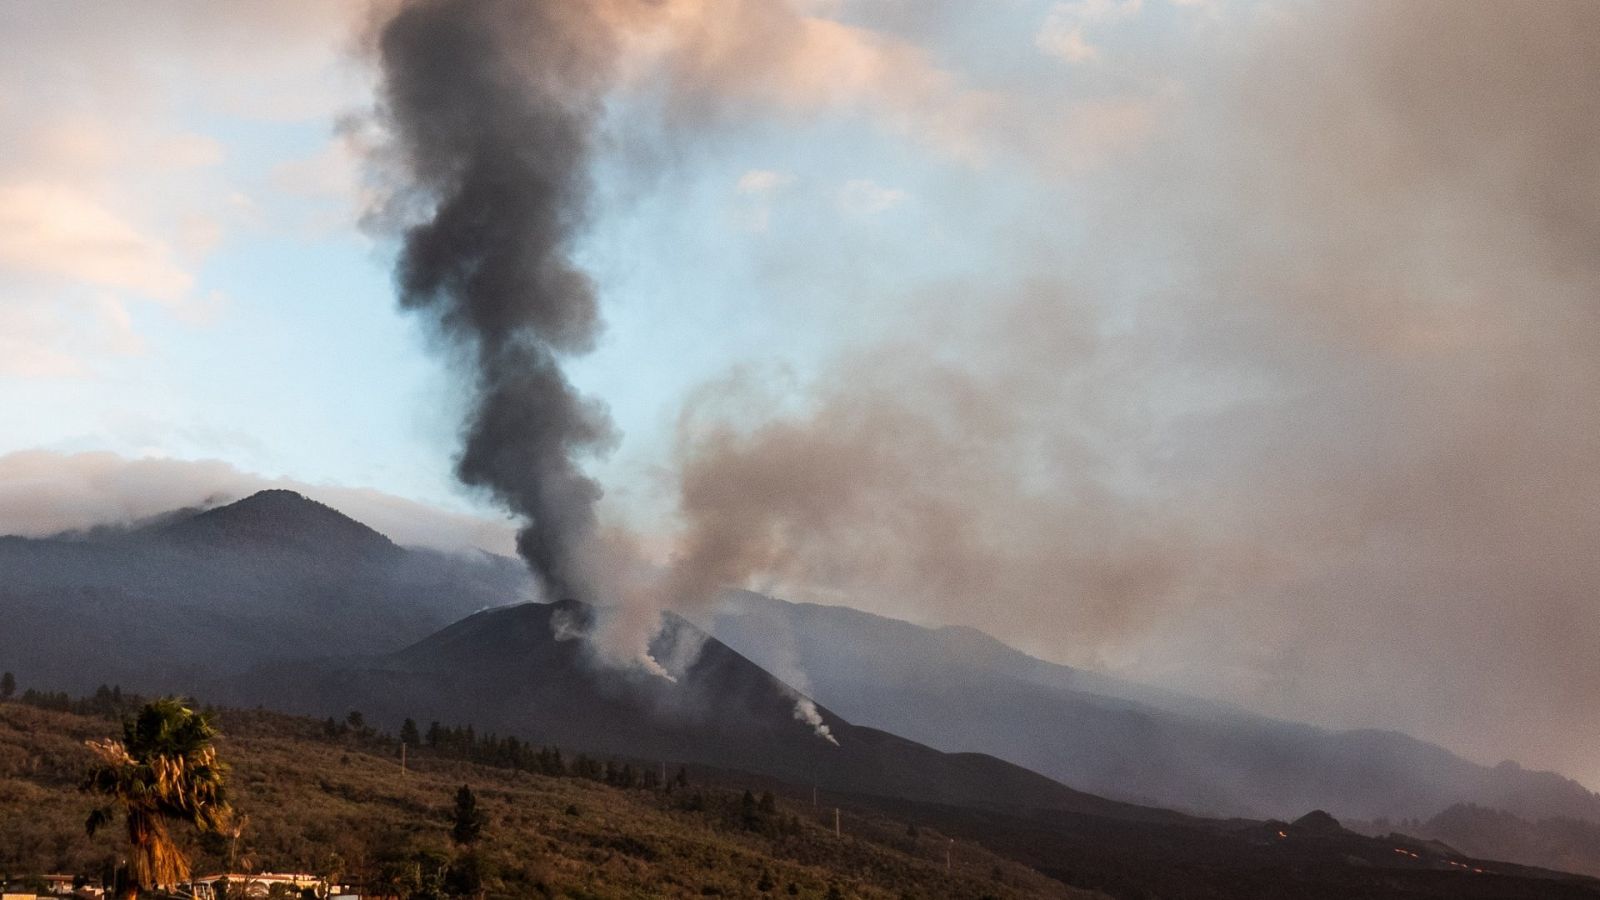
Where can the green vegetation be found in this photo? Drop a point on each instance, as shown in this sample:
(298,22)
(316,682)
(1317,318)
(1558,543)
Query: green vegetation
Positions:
(163,771)
(333,801)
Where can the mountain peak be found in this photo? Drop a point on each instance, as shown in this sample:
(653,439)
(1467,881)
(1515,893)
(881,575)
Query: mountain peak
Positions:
(281,518)
(1318,821)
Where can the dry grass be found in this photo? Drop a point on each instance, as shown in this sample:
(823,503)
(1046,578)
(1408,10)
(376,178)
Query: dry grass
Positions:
(329,805)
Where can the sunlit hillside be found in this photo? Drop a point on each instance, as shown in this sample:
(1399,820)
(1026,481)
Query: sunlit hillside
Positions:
(334,803)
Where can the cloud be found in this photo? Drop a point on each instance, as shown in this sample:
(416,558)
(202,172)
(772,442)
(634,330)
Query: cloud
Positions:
(734,66)
(865,197)
(32,328)
(331,188)
(61,231)
(758,188)
(1063,32)
(722,61)
(28,334)
(763,181)
(109,196)
(44,493)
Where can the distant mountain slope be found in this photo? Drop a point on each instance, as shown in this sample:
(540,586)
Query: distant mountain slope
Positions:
(281,520)
(199,596)
(958,689)
(1571,845)
(272,576)
(507,670)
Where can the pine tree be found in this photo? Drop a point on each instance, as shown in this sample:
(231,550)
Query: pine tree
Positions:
(468,821)
(8,686)
(409,734)
(747,810)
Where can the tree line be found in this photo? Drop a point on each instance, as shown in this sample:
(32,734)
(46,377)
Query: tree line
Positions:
(107,701)
(463,742)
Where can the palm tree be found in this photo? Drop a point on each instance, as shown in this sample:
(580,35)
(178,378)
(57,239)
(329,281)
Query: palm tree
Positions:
(164,770)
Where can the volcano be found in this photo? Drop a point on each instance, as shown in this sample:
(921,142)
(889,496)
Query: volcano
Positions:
(520,670)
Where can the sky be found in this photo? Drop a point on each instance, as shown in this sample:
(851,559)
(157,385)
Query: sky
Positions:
(1243,346)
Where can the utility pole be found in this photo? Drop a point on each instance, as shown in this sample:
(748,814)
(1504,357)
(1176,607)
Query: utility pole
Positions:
(947,849)
(813,795)
(402,757)
(836,821)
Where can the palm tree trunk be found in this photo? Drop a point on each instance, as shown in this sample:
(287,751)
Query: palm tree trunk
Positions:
(127,888)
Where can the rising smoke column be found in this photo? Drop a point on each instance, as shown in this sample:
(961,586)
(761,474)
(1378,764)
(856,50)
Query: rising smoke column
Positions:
(492,107)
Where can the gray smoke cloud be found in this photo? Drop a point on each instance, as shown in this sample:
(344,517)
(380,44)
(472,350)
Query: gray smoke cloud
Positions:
(1305,421)
(492,106)
(1302,420)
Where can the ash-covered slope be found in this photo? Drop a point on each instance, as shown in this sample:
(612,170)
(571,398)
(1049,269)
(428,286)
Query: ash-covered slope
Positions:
(199,594)
(959,689)
(515,671)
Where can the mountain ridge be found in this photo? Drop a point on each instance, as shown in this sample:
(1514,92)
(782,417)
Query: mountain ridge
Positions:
(1143,745)
(507,669)
(274,575)
(165,612)
(281,518)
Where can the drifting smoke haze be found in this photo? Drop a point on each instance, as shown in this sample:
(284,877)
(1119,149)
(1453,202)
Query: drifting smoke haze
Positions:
(1332,455)
(1304,421)
(492,109)
(1396,255)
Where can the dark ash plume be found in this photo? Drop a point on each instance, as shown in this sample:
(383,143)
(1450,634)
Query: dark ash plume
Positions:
(492,106)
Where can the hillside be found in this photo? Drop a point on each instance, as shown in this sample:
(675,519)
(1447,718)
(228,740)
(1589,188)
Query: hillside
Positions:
(281,601)
(1572,845)
(508,670)
(277,519)
(338,804)
(331,799)
(197,596)
(273,576)
(959,689)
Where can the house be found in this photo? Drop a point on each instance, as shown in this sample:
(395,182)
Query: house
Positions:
(47,886)
(59,884)
(258,884)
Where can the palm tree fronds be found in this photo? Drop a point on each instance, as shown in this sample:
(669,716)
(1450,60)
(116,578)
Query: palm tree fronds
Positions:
(163,770)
